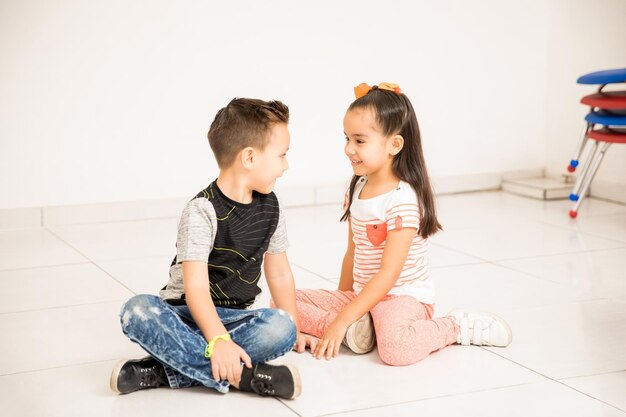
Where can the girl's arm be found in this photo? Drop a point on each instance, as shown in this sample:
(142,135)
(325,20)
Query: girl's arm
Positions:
(397,247)
(346,280)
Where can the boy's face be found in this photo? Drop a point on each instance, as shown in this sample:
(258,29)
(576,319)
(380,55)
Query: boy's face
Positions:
(270,163)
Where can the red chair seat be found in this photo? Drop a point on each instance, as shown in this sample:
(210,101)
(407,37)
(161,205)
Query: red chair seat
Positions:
(608,100)
(608,135)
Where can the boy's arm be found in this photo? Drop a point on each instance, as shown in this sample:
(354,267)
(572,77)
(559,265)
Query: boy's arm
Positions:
(227,355)
(346,281)
(397,246)
(283,290)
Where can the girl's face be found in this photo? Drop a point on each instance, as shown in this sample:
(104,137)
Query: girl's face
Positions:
(367,148)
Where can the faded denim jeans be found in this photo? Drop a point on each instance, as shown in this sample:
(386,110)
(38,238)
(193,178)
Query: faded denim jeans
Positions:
(170,335)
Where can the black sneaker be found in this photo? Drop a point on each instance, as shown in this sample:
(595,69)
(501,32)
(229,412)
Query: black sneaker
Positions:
(131,375)
(272,380)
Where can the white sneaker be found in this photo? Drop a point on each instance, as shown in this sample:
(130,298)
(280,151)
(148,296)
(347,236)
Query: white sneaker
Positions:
(360,336)
(481,328)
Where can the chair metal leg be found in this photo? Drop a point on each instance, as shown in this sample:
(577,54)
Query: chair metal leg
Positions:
(579,150)
(596,160)
(575,194)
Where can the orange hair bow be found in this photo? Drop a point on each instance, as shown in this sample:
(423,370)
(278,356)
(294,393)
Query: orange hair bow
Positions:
(362,89)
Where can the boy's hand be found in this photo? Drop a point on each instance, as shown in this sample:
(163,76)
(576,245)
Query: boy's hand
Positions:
(331,341)
(303,341)
(226,361)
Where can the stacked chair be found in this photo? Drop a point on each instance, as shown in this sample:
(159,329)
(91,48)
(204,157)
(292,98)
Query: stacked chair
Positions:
(606,124)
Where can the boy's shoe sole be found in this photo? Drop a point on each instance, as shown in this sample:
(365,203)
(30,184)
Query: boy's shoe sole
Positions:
(360,336)
(297,382)
(115,373)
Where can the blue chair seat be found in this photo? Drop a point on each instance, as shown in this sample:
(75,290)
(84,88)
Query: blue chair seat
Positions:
(604,77)
(605,118)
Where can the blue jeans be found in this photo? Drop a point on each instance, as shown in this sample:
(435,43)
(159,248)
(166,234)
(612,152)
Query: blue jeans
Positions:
(170,335)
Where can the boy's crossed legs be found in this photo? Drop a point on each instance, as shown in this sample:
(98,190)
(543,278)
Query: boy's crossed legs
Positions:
(169,334)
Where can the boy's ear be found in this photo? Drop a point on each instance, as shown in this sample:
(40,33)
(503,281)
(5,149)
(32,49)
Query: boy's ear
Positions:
(247,156)
(397,143)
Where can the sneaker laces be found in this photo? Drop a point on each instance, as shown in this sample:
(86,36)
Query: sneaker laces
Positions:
(261,383)
(151,377)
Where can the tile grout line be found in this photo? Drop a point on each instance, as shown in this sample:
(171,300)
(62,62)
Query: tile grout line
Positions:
(90,260)
(26,268)
(73,365)
(545,222)
(428,398)
(314,273)
(560,254)
(288,407)
(552,379)
(33,310)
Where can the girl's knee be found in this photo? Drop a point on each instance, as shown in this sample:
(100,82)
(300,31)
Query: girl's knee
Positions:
(398,358)
(399,351)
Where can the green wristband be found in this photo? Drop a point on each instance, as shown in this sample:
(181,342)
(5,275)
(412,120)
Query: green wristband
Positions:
(208,351)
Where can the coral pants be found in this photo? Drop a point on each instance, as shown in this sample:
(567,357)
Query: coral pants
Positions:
(405,330)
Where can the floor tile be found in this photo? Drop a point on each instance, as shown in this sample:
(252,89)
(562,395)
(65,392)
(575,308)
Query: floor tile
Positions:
(488,287)
(569,340)
(610,227)
(521,239)
(58,286)
(323,258)
(62,336)
(544,399)
(122,240)
(83,390)
(439,256)
(493,207)
(142,275)
(361,381)
(609,388)
(31,248)
(595,274)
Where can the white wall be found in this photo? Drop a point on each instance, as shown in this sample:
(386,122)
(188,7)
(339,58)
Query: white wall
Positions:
(110,101)
(583,37)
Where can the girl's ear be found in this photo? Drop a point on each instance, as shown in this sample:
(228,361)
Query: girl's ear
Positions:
(397,143)
(247,156)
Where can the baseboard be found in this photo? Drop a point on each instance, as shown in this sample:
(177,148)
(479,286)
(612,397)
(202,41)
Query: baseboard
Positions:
(21,218)
(112,212)
(291,196)
(607,190)
(478,182)
(602,189)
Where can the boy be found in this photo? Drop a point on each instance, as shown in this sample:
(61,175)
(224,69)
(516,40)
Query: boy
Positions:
(199,331)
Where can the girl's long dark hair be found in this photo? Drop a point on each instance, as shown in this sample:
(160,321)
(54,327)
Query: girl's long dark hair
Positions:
(395,116)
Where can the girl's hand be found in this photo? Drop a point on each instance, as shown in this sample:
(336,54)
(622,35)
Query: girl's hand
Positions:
(226,361)
(303,341)
(331,341)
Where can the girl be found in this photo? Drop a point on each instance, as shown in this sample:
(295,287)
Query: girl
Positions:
(385,292)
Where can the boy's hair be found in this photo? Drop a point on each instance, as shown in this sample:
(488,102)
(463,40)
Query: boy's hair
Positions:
(244,122)
(395,116)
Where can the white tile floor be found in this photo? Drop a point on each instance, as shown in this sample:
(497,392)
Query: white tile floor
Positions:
(560,283)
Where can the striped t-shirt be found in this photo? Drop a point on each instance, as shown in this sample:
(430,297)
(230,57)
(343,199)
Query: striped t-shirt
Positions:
(371,219)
